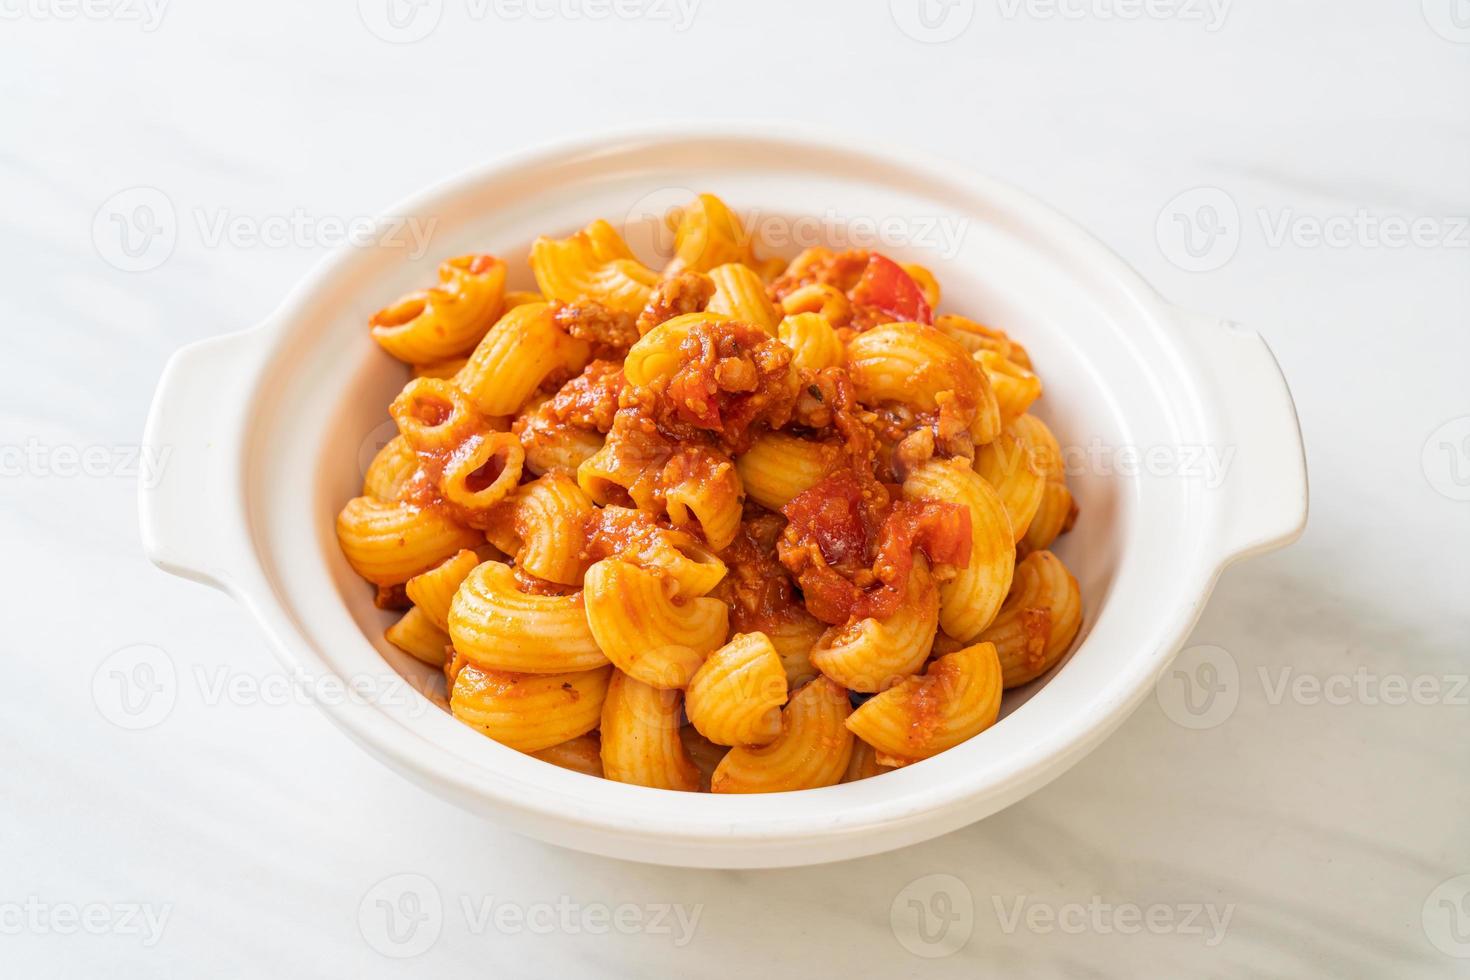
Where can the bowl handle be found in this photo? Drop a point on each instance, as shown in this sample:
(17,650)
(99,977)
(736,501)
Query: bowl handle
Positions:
(1264,503)
(191,515)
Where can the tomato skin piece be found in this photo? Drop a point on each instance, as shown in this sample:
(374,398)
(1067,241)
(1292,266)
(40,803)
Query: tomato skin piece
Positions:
(885,286)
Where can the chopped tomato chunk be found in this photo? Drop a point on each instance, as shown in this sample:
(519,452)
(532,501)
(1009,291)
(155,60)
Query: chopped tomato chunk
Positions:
(885,286)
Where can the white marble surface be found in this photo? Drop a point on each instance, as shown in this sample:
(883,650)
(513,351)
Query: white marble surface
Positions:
(1330,834)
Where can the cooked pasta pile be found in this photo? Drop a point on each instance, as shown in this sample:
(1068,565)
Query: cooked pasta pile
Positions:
(737,526)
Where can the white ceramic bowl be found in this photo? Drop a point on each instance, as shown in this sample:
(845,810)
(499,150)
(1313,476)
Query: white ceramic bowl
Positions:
(269,431)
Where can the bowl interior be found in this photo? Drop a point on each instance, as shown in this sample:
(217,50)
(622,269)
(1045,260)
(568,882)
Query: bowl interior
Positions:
(1093,333)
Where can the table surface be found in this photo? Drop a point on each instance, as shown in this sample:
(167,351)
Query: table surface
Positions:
(1319,829)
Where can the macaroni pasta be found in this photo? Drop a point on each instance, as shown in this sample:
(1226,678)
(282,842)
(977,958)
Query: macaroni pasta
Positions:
(735,525)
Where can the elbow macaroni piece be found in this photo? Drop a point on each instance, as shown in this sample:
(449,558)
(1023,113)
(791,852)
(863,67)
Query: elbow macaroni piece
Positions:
(435,416)
(482,474)
(516,356)
(976,337)
(520,297)
(710,500)
(561,449)
(873,655)
(970,600)
(440,369)
(740,295)
(957,698)
(864,763)
(581,754)
(640,737)
(417,635)
(705,755)
(818,297)
(1039,620)
(542,513)
(1053,518)
(926,282)
(433,591)
(1055,512)
(1013,464)
(693,568)
(778,466)
(707,234)
(1015,387)
(389,543)
(812,750)
(647,631)
(794,639)
(448,320)
(497,626)
(910,363)
(735,697)
(391,469)
(529,712)
(657,354)
(813,341)
(696,486)
(921,366)
(592,264)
